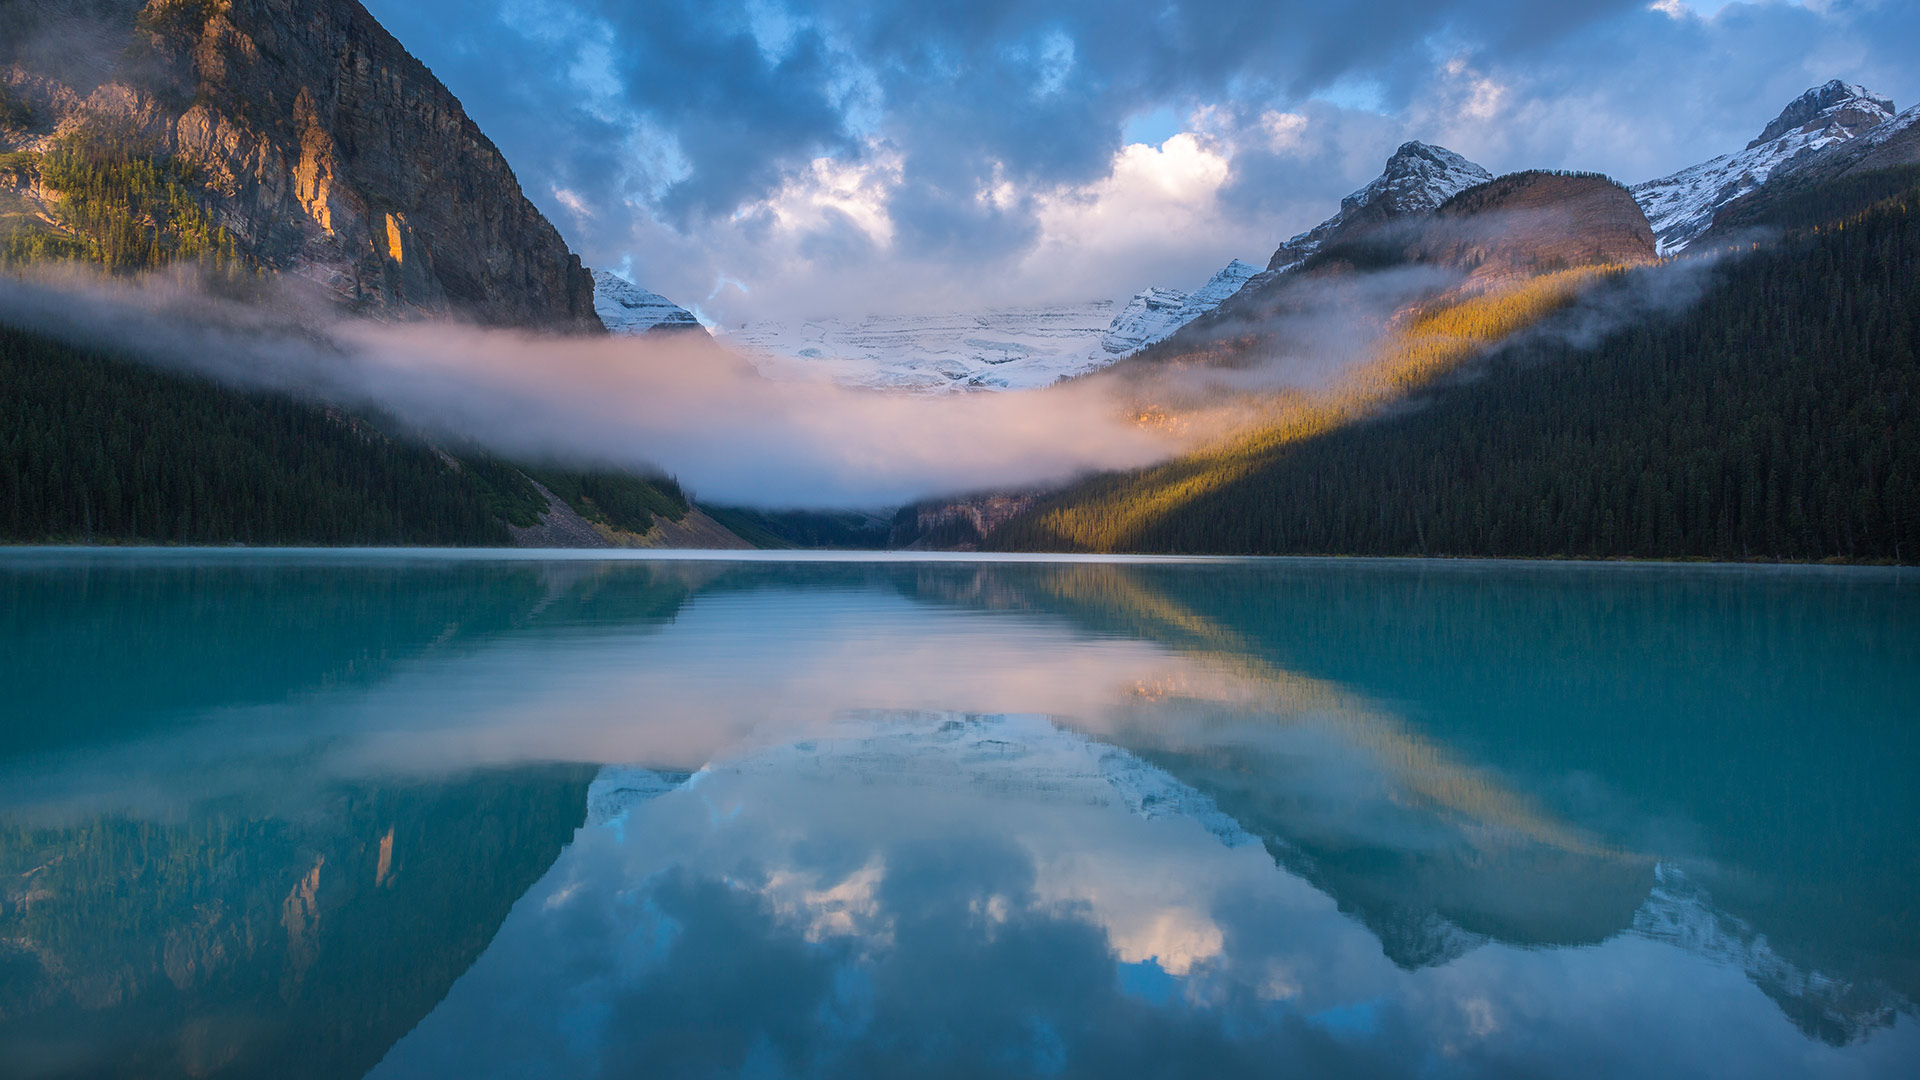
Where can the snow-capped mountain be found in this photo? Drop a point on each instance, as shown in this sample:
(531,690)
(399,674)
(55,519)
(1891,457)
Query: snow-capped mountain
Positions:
(628,309)
(1681,206)
(1155,313)
(1008,349)
(1418,178)
(1152,314)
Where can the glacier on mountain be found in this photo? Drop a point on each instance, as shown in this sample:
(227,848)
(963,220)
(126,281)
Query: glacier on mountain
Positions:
(1681,206)
(1002,349)
(628,309)
(999,349)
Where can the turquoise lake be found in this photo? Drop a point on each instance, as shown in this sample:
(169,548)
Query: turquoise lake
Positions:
(426,814)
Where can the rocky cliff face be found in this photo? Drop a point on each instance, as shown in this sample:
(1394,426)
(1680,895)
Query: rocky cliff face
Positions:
(307,135)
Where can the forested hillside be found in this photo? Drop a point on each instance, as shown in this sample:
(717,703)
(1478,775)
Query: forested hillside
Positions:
(1778,418)
(98,449)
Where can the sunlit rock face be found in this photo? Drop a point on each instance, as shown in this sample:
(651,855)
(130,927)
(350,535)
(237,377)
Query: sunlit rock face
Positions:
(1682,206)
(314,138)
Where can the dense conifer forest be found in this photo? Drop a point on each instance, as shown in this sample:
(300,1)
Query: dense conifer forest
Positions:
(1778,418)
(98,449)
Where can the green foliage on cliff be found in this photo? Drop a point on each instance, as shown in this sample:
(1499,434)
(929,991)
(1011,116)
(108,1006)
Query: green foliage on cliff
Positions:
(121,205)
(622,500)
(1778,417)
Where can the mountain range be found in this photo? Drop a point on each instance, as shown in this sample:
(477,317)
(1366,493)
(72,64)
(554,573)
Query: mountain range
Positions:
(989,350)
(296,142)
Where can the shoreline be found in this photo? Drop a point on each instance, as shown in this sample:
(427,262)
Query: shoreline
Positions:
(18,554)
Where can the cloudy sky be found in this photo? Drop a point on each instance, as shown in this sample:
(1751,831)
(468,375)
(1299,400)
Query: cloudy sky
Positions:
(765,159)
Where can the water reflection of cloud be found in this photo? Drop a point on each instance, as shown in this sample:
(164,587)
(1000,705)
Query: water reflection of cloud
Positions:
(995,924)
(1164,853)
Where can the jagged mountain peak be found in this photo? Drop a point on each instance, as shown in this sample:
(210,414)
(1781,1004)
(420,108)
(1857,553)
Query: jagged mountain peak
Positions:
(1832,102)
(1416,180)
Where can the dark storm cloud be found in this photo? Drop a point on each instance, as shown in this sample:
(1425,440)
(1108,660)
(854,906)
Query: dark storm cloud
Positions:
(1041,89)
(657,131)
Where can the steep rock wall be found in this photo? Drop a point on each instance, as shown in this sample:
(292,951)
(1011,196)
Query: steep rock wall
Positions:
(314,138)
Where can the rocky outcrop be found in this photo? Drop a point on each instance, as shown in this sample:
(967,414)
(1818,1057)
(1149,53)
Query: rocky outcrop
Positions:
(1832,105)
(1151,315)
(322,147)
(1418,178)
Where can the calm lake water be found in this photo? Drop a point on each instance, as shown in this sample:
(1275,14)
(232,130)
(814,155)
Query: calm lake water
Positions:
(422,815)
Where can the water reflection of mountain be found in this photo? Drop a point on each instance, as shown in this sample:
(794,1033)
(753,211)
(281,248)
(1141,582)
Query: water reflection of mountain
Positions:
(230,945)
(1544,743)
(1455,755)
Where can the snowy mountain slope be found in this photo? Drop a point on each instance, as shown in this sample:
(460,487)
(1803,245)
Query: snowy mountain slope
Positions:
(1228,281)
(628,309)
(1418,178)
(1891,144)
(1154,314)
(1008,349)
(1681,206)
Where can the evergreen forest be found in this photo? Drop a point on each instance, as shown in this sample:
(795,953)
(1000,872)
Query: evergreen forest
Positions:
(1777,417)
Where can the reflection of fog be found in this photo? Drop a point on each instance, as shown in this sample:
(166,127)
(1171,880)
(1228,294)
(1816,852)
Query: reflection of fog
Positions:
(1123,768)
